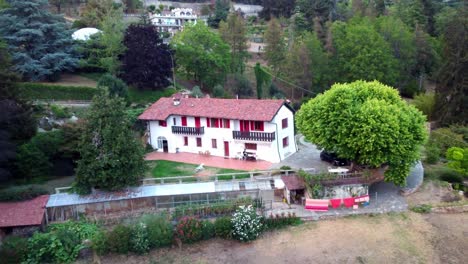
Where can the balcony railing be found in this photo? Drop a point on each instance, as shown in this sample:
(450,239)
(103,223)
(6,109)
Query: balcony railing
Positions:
(253,135)
(188,130)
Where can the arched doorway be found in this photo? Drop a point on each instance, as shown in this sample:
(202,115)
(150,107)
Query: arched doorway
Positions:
(162,144)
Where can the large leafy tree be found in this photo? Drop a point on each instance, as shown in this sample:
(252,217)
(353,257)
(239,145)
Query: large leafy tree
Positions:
(201,54)
(452,85)
(362,54)
(233,32)
(111,40)
(16,121)
(111,157)
(95,11)
(39,42)
(146,62)
(368,123)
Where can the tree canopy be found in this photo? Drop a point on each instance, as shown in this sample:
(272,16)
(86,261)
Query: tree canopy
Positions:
(233,32)
(146,63)
(202,54)
(368,123)
(111,157)
(39,42)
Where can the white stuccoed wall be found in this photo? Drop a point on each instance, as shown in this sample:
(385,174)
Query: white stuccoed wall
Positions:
(269,151)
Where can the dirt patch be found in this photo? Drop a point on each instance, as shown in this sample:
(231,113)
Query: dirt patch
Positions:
(430,193)
(451,239)
(393,238)
(68,79)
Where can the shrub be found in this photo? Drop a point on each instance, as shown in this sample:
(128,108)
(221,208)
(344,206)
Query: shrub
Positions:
(32,162)
(433,153)
(451,176)
(14,250)
(422,208)
(114,85)
(60,112)
(21,193)
(189,230)
(281,220)
(56,92)
(99,242)
(284,167)
(61,243)
(118,240)
(196,92)
(425,103)
(458,160)
(208,230)
(247,225)
(242,86)
(160,230)
(139,240)
(218,91)
(410,89)
(223,227)
(445,138)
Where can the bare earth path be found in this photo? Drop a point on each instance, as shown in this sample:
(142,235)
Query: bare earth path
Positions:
(392,238)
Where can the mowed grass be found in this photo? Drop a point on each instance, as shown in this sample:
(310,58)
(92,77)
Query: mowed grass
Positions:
(164,169)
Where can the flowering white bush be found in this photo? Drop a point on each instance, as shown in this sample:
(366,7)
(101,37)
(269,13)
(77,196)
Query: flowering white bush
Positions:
(246,224)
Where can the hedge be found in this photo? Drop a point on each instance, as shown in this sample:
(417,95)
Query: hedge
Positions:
(56,92)
(21,193)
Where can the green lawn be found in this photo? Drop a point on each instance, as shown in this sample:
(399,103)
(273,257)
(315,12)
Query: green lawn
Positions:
(164,168)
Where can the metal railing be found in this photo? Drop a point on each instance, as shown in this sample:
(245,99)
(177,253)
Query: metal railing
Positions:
(188,130)
(254,135)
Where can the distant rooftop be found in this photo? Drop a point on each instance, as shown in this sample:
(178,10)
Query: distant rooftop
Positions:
(24,213)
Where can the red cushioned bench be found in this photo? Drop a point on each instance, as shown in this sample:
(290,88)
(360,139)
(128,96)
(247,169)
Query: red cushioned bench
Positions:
(316,205)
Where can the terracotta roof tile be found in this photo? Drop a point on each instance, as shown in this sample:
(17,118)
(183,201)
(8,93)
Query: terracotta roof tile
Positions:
(25,213)
(239,109)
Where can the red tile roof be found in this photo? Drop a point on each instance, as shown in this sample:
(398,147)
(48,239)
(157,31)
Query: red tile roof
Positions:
(293,182)
(239,109)
(25,213)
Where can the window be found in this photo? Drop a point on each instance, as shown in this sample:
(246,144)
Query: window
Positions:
(257,125)
(162,123)
(284,123)
(184,121)
(197,122)
(174,120)
(251,146)
(185,141)
(199,144)
(213,122)
(226,123)
(285,142)
(214,143)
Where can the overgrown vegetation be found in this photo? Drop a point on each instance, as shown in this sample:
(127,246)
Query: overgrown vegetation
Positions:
(21,193)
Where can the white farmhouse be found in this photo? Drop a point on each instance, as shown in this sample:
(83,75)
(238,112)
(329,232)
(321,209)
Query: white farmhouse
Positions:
(174,20)
(222,127)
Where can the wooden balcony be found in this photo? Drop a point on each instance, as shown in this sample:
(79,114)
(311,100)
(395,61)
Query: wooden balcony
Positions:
(183,130)
(254,135)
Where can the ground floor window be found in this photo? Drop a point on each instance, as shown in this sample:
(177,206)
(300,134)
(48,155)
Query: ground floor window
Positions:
(185,141)
(285,142)
(199,142)
(214,143)
(251,146)
(160,142)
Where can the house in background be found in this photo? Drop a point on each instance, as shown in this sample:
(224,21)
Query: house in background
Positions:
(222,127)
(174,20)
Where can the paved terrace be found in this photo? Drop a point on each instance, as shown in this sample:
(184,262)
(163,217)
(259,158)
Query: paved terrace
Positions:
(210,161)
(384,198)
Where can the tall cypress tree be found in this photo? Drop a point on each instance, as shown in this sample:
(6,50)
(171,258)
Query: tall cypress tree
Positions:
(111,157)
(39,42)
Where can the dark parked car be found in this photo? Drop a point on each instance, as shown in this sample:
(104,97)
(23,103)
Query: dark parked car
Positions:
(333,159)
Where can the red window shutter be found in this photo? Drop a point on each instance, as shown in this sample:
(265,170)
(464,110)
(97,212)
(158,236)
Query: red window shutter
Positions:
(220,122)
(184,121)
(252,125)
(241,125)
(185,141)
(216,123)
(261,125)
(197,122)
(228,123)
(162,123)
(207,122)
